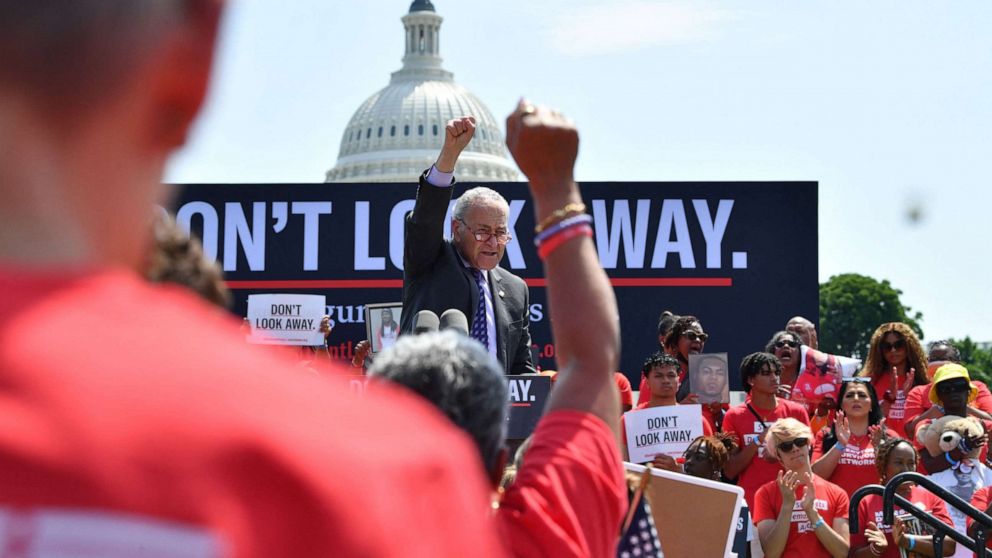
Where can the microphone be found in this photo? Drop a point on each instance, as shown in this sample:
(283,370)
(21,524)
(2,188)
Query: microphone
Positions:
(454,319)
(425,321)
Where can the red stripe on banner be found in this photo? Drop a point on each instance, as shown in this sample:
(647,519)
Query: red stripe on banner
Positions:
(520,404)
(539,282)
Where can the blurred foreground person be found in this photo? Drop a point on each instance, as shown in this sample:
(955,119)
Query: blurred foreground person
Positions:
(569,497)
(159,432)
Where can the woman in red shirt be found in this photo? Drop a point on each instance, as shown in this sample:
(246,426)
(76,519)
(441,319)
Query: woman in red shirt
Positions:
(799,515)
(896,363)
(844,454)
(874,538)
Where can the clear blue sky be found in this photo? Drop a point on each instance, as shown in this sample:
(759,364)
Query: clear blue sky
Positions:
(887,104)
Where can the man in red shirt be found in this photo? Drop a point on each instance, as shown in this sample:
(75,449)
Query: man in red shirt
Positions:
(569,495)
(135,421)
(747,422)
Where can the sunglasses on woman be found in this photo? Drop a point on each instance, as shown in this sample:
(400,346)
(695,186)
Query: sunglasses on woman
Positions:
(786,447)
(898,345)
(693,336)
(783,343)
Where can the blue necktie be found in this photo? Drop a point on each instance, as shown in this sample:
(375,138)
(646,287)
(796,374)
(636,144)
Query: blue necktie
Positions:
(479,330)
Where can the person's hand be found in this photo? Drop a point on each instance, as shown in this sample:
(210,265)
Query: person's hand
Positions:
(325,326)
(361,353)
(907,383)
(784,391)
(877,433)
(457,134)
(843,428)
(877,538)
(899,532)
(809,494)
(787,483)
(544,144)
(666,462)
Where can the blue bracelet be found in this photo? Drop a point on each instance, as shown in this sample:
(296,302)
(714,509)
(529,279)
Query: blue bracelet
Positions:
(947,456)
(840,447)
(819,522)
(912,543)
(560,226)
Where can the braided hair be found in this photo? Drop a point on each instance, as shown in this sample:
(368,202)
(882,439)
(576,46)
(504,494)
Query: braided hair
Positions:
(719,446)
(885,448)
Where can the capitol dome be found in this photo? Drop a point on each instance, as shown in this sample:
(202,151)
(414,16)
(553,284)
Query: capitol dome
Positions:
(397,132)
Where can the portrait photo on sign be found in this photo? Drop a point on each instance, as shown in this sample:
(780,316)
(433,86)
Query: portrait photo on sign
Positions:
(382,324)
(708,377)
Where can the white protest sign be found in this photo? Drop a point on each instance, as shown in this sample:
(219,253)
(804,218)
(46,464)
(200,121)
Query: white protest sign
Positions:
(659,430)
(286,319)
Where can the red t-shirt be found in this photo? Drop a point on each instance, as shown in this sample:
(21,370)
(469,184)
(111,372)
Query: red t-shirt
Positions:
(980,500)
(831,503)
(135,415)
(745,426)
(870,510)
(626,393)
(568,493)
(856,467)
(918,401)
(896,418)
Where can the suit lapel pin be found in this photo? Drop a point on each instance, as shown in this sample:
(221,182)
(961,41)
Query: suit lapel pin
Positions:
(502,294)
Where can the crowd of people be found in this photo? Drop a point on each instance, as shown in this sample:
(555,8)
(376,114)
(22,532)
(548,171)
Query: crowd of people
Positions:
(160,433)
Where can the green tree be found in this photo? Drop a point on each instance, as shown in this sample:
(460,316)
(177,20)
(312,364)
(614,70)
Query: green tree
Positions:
(852,307)
(977,360)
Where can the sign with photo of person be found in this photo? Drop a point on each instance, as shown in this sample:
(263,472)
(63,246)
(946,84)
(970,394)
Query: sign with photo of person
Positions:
(382,324)
(708,377)
(286,319)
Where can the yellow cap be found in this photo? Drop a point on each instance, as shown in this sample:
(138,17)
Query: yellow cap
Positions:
(951,371)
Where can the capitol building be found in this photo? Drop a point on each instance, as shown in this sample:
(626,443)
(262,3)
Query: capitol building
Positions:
(397,132)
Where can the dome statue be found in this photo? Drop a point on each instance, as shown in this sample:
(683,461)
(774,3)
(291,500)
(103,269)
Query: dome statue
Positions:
(397,132)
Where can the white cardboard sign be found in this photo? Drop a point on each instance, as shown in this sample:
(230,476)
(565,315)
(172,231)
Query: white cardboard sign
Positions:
(657,430)
(286,319)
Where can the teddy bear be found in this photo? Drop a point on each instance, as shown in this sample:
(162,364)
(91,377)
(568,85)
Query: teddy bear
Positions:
(946,433)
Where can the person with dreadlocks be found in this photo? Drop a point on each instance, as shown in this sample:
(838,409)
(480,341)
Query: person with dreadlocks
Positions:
(896,364)
(873,537)
(705,458)
(747,423)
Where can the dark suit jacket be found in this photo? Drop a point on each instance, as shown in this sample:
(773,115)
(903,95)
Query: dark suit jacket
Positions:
(435,279)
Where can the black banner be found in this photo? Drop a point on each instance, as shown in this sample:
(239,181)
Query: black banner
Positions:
(742,257)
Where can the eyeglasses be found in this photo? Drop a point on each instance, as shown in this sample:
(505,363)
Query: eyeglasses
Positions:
(898,345)
(780,344)
(693,336)
(786,447)
(502,237)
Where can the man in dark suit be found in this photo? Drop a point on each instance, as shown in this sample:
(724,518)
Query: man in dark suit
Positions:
(464,273)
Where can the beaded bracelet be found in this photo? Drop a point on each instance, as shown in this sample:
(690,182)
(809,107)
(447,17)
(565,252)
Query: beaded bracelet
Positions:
(559,214)
(555,242)
(561,225)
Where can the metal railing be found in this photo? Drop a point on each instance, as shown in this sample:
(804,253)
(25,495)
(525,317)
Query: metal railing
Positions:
(941,530)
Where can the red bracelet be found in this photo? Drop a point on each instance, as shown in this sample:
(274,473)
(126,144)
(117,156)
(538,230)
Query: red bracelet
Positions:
(554,242)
